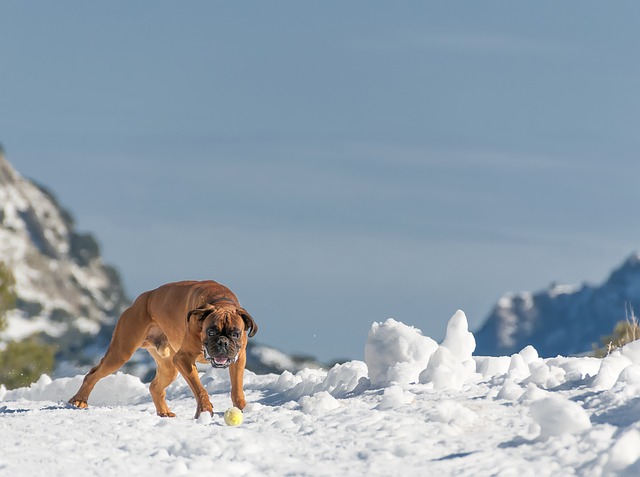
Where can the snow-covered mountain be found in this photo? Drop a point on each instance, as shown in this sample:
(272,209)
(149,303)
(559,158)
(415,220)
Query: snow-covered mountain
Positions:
(66,293)
(562,319)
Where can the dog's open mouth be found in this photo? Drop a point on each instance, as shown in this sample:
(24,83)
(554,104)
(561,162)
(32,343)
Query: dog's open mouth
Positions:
(220,361)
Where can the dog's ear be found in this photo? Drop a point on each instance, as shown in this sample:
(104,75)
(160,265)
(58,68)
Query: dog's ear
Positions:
(249,324)
(200,313)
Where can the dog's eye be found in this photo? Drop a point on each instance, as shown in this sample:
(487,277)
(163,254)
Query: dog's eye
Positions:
(235,334)
(211,332)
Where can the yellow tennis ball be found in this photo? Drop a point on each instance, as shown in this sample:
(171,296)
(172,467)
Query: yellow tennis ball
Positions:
(233,416)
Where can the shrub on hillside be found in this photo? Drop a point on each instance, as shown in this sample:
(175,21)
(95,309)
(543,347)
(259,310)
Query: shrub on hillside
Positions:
(624,332)
(21,362)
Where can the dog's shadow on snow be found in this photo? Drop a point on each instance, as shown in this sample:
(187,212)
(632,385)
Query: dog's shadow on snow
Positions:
(7,410)
(55,407)
(274,399)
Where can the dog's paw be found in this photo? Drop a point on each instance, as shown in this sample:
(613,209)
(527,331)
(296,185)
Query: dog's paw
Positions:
(80,404)
(166,414)
(239,402)
(204,408)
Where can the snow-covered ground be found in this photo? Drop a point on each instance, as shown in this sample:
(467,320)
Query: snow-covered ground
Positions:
(415,408)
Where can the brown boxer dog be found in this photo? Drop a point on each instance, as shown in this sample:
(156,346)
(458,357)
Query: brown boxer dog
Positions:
(178,324)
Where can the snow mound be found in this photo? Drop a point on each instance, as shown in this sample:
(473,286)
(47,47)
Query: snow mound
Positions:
(510,391)
(318,403)
(623,453)
(394,396)
(396,353)
(556,416)
(444,370)
(340,381)
(452,365)
(115,389)
(610,370)
(459,340)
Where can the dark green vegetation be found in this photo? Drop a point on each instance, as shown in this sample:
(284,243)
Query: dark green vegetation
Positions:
(21,362)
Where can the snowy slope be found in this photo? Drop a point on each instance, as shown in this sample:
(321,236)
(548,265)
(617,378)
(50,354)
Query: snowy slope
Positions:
(562,319)
(415,408)
(65,291)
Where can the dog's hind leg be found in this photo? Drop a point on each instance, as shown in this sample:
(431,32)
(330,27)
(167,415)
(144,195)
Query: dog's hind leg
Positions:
(166,373)
(128,336)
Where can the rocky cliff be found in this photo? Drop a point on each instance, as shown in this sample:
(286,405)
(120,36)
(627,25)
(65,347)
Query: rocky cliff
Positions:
(66,293)
(562,319)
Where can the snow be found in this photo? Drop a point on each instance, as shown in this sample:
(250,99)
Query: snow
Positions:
(22,326)
(557,289)
(412,408)
(396,353)
(557,415)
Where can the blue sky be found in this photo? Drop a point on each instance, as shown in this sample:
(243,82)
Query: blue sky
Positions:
(334,163)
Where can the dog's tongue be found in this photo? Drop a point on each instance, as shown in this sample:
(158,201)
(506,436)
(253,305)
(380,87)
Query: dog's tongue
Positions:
(220,359)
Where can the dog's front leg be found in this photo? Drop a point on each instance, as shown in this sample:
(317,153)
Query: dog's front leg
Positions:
(186,364)
(236,375)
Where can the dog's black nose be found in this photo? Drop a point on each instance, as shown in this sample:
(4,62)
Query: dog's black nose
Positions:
(223,342)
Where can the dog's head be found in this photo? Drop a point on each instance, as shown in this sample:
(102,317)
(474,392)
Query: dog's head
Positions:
(222,331)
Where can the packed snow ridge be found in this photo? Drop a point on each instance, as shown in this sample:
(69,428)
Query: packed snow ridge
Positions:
(413,408)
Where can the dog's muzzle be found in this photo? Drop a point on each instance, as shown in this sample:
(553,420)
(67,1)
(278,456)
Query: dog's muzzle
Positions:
(218,360)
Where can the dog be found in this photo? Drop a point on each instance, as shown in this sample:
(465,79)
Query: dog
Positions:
(178,324)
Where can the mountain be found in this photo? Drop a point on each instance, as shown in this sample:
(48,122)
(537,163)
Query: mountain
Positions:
(66,294)
(561,319)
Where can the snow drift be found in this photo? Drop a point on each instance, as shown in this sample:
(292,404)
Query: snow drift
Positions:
(413,407)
